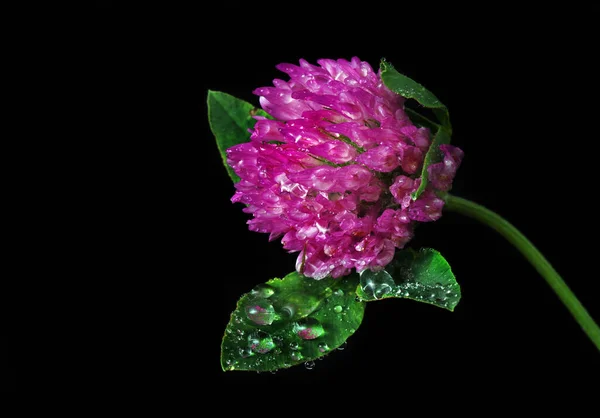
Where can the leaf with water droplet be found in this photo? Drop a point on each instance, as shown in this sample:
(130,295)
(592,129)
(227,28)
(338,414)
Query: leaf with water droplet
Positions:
(410,89)
(229,119)
(260,312)
(291,321)
(424,276)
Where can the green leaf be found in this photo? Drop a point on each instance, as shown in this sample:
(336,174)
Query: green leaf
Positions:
(289,321)
(421,120)
(434,155)
(407,87)
(410,89)
(229,119)
(424,276)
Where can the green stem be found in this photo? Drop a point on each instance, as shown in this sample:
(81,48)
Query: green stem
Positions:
(516,238)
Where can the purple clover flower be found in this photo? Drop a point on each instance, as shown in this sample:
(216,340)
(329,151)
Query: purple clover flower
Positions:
(334,172)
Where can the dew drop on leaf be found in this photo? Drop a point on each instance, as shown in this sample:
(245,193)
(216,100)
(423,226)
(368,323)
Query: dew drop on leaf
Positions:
(260,342)
(260,312)
(309,329)
(288,311)
(262,291)
(376,284)
(246,352)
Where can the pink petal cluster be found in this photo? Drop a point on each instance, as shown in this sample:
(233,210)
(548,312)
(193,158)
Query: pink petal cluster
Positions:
(334,171)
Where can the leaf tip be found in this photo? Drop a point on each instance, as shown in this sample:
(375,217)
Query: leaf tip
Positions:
(385,65)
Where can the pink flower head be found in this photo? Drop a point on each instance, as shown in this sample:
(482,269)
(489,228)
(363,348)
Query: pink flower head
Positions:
(334,172)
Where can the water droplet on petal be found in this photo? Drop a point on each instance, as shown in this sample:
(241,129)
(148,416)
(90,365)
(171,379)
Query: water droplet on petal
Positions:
(339,292)
(309,365)
(294,346)
(337,309)
(323,348)
(297,356)
(343,346)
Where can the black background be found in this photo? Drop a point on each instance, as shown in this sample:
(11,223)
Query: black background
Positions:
(522,90)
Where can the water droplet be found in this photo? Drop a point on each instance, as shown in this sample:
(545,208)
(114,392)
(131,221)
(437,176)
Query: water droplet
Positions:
(245,352)
(262,291)
(323,348)
(260,312)
(337,309)
(309,365)
(327,292)
(309,329)
(260,342)
(288,311)
(376,284)
(339,292)
(294,346)
(228,330)
(343,346)
(297,356)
